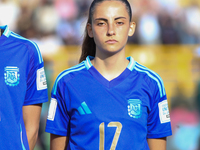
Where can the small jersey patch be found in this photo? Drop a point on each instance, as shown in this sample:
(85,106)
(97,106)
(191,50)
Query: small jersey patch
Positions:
(134,108)
(164,111)
(11,75)
(41,79)
(52,109)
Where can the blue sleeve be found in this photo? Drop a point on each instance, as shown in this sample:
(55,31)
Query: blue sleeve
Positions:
(159,120)
(36,79)
(58,117)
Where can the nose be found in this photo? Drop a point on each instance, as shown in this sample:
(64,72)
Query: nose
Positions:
(111,30)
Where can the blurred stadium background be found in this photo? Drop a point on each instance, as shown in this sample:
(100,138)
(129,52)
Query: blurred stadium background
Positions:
(167,40)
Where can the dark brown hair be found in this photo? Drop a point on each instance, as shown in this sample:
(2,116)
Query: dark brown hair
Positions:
(89,46)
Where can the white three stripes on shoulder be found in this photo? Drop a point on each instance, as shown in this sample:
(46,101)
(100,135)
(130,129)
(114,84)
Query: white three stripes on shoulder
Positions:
(38,51)
(152,75)
(73,69)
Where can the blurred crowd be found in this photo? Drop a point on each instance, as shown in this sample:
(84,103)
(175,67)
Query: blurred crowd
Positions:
(52,23)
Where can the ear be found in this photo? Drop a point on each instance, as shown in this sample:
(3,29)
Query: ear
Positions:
(89,30)
(132,28)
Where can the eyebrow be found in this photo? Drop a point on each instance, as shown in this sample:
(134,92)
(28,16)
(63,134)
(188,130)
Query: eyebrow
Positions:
(107,19)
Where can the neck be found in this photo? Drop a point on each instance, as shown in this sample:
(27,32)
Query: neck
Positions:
(112,66)
(1,32)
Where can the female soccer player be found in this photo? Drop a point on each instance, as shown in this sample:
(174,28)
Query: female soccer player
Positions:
(23,89)
(108,101)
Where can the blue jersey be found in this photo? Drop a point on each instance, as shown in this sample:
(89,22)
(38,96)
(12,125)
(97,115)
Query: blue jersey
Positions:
(99,114)
(23,82)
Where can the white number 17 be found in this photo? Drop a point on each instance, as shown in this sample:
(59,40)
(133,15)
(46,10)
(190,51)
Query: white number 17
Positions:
(116,136)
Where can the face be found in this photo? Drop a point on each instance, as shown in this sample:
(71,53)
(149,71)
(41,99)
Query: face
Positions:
(110,27)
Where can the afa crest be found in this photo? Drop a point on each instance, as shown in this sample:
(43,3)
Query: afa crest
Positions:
(134,108)
(11,75)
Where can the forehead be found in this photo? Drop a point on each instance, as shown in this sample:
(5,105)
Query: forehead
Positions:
(109,9)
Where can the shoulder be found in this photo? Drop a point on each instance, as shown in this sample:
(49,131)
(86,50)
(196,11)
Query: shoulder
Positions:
(26,44)
(147,72)
(22,40)
(71,72)
(68,74)
(150,77)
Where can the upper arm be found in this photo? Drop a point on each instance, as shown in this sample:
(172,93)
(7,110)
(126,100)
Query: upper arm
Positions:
(58,142)
(157,144)
(31,116)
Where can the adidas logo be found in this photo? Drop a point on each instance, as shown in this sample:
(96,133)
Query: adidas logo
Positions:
(83,109)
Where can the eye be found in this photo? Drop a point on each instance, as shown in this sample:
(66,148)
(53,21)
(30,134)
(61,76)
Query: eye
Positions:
(120,23)
(100,24)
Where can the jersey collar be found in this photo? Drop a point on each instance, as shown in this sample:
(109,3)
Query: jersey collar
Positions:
(88,63)
(5,35)
(113,82)
(6,30)
(130,66)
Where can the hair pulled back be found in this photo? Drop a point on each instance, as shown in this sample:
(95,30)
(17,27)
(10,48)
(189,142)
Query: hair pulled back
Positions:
(89,46)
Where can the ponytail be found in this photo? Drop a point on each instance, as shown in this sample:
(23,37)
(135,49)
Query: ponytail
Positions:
(88,47)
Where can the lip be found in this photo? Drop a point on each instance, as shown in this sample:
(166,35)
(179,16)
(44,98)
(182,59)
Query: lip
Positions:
(111,41)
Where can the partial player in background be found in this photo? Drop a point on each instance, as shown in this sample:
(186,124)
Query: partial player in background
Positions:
(23,90)
(108,101)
